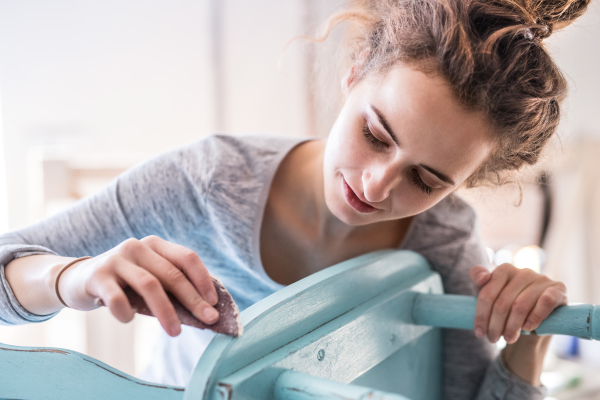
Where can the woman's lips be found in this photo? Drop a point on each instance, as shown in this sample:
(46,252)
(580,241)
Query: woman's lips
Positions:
(354,201)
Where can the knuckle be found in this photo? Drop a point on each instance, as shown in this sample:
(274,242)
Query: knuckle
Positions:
(113,260)
(529,273)
(149,282)
(189,256)
(505,268)
(480,320)
(485,299)
(174,276)
(151,239)
(196,302)
(130,245)
(534,319)
(562,287)
(501,306)
(520,307)
(546,299)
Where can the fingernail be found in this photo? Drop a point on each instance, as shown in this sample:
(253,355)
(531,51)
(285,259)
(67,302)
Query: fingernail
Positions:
(528,326)
(175,330)
(509,339)
(210,314)
(481,275)
(212,299)
(479,332)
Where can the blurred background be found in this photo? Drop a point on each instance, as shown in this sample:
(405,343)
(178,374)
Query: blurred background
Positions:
(88,89)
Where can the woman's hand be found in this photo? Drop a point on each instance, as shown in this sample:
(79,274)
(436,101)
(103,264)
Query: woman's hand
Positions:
(511,298)
(149,266)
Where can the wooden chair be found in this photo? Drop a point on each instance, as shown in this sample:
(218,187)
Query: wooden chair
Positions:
(366,328)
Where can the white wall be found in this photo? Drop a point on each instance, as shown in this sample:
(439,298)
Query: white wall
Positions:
(140,76)
(577,52)
(122,80)
(3,187)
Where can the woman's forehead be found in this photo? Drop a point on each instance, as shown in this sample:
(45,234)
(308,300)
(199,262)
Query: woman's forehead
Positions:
(428,118)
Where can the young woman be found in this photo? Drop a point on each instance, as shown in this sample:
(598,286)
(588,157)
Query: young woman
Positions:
(439,94)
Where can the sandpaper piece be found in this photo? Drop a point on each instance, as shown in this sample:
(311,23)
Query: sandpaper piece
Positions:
(229,321)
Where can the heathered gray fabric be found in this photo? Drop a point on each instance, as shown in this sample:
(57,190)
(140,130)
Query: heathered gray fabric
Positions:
(209,196)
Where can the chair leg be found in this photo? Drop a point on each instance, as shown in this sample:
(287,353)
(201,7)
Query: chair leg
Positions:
(292,385)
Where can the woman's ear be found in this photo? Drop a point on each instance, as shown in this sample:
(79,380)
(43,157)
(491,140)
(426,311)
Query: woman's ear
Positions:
(351,76)
(348,79)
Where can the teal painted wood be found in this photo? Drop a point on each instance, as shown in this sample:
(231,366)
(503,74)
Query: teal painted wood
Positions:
(290,314)
(293,385)
(412,371)
(48,373)
(348,346)
(454,311)
(372,321)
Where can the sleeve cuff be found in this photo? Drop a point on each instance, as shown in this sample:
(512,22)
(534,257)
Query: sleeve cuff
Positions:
(500,383)
(11,311)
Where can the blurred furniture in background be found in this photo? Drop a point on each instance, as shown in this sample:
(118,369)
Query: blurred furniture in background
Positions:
(88,89)
(573,245)
(58,179)
(555,230)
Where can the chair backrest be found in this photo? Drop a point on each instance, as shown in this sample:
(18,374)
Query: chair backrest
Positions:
(350,323)
(356,330)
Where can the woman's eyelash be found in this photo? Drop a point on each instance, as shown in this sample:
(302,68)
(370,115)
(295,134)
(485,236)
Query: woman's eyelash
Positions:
(371,138)
(416,178)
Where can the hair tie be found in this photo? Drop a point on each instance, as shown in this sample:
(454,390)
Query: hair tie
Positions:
(60,273)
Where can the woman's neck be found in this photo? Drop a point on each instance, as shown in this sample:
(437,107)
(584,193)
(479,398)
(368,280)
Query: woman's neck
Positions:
(299,184)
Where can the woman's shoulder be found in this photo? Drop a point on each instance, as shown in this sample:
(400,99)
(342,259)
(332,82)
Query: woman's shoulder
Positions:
(447,235)
(247,146)
(238,154)
(452,212)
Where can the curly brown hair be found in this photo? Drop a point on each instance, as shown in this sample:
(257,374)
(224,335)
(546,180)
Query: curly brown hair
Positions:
(490,52)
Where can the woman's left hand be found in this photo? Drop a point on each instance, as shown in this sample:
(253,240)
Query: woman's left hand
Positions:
(511,298)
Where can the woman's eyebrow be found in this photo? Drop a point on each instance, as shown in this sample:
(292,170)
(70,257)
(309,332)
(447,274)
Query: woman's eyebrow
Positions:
(384,123)
(442,177)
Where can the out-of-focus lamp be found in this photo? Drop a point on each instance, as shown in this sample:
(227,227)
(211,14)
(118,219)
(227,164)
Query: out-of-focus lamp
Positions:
(531,257)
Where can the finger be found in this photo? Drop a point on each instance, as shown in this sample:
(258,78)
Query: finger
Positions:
(480,275)
(149,287)
(521,307)
(504,302)
(486,298)
(550,298)
(174,280)
(114,298)
(187,261)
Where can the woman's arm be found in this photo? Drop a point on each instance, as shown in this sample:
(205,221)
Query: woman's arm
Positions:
(32,282)
(525,357)
(512,299)
(160,198)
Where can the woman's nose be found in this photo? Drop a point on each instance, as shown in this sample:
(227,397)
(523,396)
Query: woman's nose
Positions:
(379,181)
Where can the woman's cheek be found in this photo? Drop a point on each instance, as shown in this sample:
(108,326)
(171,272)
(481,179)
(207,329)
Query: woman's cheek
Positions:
(410,200)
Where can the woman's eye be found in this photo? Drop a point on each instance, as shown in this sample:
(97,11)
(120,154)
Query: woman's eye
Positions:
(372,139)
(416,178)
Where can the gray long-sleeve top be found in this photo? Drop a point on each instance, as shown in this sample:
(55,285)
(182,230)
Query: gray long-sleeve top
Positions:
(210,196)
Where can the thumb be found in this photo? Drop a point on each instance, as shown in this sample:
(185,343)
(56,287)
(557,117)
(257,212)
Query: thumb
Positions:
(480,275)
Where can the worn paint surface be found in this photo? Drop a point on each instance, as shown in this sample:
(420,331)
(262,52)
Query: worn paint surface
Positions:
(455,311)
(293,385)
(367,321)
(349,310)
(46,373)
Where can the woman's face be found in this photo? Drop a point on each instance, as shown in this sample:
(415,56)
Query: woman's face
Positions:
(400,145)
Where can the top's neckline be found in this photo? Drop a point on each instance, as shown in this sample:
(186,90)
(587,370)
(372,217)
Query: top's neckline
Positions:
(262,201)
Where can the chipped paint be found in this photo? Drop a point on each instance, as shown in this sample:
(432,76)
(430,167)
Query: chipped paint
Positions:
(225,390)
(57,351)
(135,381)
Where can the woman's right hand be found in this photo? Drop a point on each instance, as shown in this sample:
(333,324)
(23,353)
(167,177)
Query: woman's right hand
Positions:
(149,266)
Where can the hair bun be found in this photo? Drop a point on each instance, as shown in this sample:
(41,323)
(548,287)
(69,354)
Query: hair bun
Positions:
(554,14)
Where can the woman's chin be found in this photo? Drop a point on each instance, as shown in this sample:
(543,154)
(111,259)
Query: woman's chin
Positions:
(346,214)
